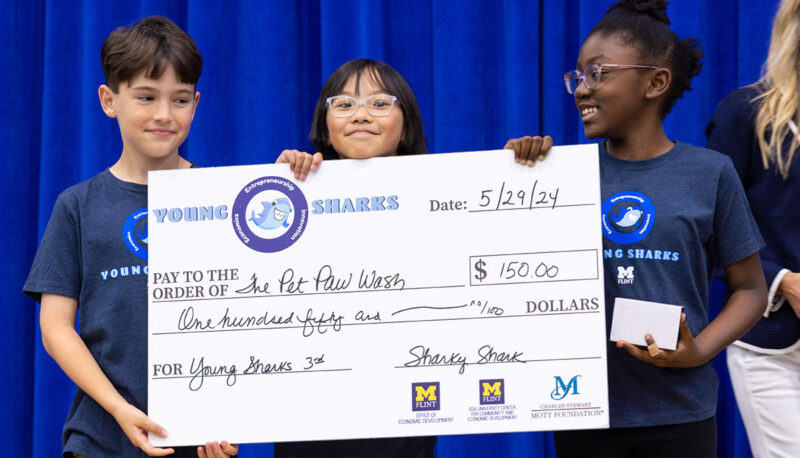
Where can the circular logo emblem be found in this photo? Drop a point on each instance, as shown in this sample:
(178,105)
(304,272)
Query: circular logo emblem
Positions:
(134,232)
(627,217)
(270,214)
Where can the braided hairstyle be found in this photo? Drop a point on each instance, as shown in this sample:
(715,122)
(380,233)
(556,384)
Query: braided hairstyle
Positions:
(644,25)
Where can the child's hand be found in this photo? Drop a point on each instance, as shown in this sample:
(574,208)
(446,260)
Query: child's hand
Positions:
(136,424)
(300,162)
(687,353)
(528,150)
(217,450)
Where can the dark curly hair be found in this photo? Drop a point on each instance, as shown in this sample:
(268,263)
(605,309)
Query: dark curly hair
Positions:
(644,25)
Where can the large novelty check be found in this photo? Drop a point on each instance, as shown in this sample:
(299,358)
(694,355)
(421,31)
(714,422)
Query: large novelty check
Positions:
(424,295)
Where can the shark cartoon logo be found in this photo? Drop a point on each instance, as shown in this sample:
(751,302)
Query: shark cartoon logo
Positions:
(273,214)
(627,217)
(140,232)
(270,214)
(134,233)
(630,217)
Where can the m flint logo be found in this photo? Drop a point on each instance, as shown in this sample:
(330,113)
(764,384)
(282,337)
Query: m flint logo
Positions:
(492,391)
(624,275)
(425,396)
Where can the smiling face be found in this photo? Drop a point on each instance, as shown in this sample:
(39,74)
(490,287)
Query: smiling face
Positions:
(614,108)
(362,135)
(154,115)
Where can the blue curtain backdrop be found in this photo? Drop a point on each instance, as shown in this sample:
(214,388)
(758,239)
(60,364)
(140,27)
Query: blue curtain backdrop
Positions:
(483,72)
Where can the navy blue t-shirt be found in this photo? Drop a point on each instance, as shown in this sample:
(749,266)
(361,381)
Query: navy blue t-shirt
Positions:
(94,249)
(666,221)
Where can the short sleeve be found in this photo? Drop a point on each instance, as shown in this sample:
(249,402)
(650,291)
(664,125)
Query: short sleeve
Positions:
(56,266)
(736,233)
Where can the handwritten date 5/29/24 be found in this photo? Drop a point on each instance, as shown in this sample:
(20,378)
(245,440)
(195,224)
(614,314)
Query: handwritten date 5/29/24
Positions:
(508,197)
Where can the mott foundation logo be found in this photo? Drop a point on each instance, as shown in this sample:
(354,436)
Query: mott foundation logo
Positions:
(492,391)
(563,390)
(270,214)
(425,396)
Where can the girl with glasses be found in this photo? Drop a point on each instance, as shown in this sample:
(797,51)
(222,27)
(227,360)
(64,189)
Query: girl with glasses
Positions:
(366,109)
(672,211)
(757,127)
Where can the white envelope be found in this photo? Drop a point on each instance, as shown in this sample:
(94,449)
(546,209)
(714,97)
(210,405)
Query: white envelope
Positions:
(634,318)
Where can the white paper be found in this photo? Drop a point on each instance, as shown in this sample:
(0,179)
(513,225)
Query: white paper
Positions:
(633,319)
(468,299)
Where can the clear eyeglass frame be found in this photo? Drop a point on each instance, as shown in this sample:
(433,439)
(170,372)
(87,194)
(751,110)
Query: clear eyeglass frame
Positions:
(369,104)
(590,76)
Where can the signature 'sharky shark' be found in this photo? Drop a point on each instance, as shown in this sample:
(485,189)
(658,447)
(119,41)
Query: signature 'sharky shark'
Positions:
(273,214)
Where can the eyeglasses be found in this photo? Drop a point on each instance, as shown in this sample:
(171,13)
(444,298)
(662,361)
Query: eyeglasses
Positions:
(343,106)
(592,73)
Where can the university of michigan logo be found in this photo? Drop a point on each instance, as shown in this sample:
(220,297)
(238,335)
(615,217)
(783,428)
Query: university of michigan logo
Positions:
(627,217)
(492,391)
(563,390)
(425,396)
(134,233)
(270,214)
(625,275)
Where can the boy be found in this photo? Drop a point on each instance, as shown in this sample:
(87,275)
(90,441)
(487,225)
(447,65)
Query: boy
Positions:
(94,249)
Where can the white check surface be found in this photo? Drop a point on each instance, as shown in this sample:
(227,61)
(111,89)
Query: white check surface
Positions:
(468,299)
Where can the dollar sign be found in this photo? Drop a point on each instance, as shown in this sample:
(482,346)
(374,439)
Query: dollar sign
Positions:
(481,275)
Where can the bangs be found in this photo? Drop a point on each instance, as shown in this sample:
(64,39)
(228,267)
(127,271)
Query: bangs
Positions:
(372,74)
(163,58)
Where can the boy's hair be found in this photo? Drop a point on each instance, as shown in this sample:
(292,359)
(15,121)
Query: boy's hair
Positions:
(151,46)
(644,25)
(390,81)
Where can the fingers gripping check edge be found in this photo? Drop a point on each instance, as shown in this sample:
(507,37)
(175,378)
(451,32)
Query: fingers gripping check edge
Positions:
(528,150)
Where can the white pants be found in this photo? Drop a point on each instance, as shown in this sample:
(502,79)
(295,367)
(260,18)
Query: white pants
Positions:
(767,389)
